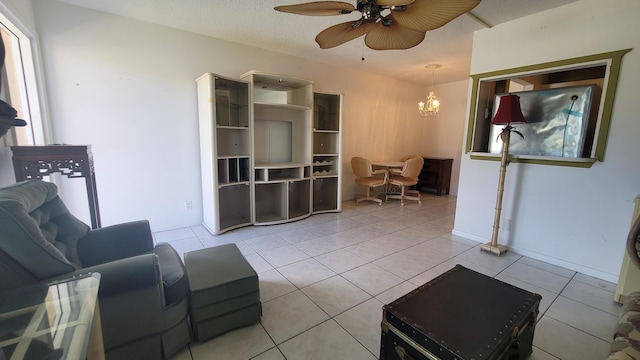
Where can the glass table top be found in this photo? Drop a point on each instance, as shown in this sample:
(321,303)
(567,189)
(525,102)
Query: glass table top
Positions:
(48,321)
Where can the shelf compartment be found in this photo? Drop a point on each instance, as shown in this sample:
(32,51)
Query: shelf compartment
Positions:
(231,103)
(325,142)
(326,114)
(234,175)
(282,136)
(277,89)
(299,198)
(233,141)
(237,206)
(260,175)
(325,166)
(223,171)
(325,194)
(284,174)
(278,172)
(272,141)
(244,169)
(318,173)
(279,107)
(270,202)
(233,170)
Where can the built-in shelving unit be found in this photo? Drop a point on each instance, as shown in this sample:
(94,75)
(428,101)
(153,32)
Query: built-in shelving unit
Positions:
(225,152)
(270,150)
(327,121)
(282,108)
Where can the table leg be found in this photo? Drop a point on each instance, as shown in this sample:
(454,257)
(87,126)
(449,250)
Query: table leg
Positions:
(95,351)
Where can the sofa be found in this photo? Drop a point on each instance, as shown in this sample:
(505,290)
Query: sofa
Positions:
(144,288)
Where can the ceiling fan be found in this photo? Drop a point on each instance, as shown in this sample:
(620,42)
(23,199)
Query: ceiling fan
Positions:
(388,24)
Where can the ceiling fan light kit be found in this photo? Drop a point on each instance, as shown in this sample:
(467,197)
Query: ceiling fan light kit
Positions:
(386,24)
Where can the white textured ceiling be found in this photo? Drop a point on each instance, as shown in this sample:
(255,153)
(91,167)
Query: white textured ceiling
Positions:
(255,23)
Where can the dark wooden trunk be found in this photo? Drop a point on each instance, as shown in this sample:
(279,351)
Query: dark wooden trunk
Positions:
(461,314)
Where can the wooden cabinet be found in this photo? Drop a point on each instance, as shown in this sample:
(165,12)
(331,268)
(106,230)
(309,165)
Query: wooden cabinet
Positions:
(327,121)
(435,174)
(225,152)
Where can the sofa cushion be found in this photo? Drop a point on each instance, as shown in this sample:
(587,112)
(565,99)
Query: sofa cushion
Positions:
(32,210)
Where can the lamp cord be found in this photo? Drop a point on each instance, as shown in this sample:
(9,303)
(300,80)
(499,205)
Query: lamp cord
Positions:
(566,122)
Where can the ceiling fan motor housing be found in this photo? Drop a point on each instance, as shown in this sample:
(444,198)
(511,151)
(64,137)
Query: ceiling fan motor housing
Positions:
(370,10)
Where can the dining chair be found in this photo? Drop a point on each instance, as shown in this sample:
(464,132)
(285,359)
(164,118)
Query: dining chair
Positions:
(369,178)
(398,171)
(408,176)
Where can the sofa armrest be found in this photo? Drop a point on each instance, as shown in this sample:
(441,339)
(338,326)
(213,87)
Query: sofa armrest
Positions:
(115,242)
(130,274)
(131,299)
(126,275)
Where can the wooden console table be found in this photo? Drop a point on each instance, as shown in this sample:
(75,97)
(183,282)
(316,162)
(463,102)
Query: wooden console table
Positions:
(436,174)
(72,161)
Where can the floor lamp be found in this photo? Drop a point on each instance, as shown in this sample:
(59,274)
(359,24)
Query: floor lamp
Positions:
(508,113)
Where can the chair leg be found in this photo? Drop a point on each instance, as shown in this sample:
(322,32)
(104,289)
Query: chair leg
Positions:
(368,197)
(379,201)
(413,195)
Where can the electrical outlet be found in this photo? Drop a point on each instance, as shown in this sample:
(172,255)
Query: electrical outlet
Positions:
(188,205)
(505,224)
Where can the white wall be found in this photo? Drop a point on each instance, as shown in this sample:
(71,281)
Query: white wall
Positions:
(573,217)
(20,10)
(444,134)
(128,89)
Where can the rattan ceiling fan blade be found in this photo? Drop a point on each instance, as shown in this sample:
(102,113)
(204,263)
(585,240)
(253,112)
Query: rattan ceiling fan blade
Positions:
(393,37)
(341,33)
(318,8)
(425,15)
(394,2)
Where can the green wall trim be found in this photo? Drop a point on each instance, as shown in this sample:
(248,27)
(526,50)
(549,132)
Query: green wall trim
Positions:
(523,160)
(614,59)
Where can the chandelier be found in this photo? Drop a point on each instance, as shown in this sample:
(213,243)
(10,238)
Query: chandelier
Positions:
(432,105)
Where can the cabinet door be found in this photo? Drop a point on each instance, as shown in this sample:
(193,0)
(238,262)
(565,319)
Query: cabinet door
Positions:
(271,202)
(325,192)
(234,201)
(299,199)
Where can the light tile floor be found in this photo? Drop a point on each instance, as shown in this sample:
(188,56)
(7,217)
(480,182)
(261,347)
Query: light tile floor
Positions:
(324,280)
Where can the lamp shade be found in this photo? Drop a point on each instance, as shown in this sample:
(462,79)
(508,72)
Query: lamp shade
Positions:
(508,111)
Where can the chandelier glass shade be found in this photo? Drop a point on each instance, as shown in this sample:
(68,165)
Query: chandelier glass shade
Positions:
(432,106)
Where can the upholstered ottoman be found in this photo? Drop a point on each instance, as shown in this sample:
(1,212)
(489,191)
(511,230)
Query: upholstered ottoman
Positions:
(224,291)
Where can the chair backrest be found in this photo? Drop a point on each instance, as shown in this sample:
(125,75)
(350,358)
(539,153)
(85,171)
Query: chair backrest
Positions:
(361,167)
(412,167)
(407,157)
(37,231)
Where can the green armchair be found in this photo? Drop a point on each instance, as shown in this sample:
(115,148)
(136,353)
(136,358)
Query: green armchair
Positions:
(144,288)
